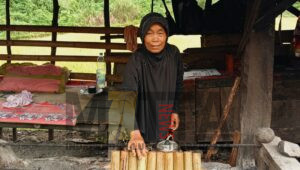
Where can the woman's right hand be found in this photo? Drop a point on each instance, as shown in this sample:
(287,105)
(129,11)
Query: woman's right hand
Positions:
(137,144)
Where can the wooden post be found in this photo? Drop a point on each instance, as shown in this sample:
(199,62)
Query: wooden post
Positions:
(160,161)
(236,137)
(142,163)
(197,161)
(124,160)
(14,134)
(7,10)
(256,90)
(151,160)
(188,160)
(50,134)
(1,133)
(132,163)
(178,160)
(54,24)
(107,40)
(115,160)
(169,161)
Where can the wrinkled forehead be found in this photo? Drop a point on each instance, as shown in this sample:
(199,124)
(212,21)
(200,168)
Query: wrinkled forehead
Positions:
(156,26)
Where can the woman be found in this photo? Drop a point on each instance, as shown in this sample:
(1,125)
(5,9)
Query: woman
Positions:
(155,72)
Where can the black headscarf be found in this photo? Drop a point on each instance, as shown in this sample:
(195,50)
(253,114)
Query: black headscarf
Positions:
(147,21)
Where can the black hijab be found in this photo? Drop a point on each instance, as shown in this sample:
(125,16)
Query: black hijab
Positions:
(147,21)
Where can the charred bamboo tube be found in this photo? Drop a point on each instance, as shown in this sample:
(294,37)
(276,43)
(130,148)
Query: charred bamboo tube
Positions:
(132,162)
(124,160)
(188,160)
(142,163)
(115,160)
(197,161)
(169,161)
(151,160)
(178,161)
(160,161)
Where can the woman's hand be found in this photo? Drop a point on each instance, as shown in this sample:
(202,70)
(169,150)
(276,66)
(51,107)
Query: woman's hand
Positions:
(137,144)
(174,121)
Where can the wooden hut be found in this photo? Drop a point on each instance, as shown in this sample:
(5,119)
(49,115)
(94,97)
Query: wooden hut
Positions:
(265,98)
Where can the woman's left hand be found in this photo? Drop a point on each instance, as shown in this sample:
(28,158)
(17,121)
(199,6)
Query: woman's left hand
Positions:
(174,121)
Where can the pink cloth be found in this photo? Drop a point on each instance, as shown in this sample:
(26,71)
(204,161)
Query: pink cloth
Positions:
(34,70)
(33,85)
(18,100)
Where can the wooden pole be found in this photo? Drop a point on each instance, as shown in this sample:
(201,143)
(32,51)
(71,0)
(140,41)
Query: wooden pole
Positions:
(54,24)
(160,161)
(169,161)
(1,132)
(15,137)
(151,160)
(178,160)
(197,161)
(188,160)
(115,160)
(236,137)
(124,160)
(224,117)
(132,162)
(256,89)
(142,163)
(7,10)
(50,134)
(107,40)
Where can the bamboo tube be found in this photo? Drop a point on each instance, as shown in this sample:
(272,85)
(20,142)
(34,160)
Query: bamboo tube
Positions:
(197,161)
(188,163)
(151,160)
(124,160)
(160,161)
(115,160)
(169,161)
(132,163)
(142,163)
(178,160)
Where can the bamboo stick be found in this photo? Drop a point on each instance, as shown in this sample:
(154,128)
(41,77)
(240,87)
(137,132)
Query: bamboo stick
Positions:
(151,160)
(178,161)
(160,161)
(142,163)
(115,160)
(124,160)
(188,160)
(234,152)
(132,162)
(197,161)
(169,161)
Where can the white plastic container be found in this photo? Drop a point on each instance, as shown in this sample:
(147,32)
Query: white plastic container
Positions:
(100,73)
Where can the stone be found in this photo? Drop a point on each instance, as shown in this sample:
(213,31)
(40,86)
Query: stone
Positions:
(264,135)
(7,157)
(289,149)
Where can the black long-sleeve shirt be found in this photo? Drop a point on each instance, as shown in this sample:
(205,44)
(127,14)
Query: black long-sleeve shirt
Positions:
(158,80)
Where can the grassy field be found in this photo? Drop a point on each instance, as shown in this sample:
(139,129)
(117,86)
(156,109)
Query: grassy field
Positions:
(182,42)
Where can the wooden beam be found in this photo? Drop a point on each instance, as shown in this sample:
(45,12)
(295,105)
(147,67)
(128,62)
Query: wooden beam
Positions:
(117,59)
(63,29)
(83,76)
(256,90)
(271,14)
(54,24)
(251,15)
(294,11)
(114,78)
(49,58)
(70,44)
(7,10)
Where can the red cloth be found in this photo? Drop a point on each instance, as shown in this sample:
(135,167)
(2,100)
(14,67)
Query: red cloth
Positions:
(40,113)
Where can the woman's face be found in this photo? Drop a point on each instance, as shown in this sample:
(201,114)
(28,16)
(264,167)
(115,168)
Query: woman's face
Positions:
(155,39)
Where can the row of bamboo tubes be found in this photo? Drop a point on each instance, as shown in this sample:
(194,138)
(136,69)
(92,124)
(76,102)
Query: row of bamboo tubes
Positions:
(124,160)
